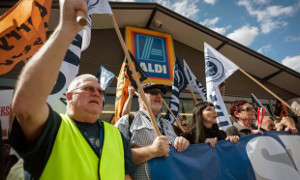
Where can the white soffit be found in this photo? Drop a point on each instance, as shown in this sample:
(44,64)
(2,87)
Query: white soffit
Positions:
(182,32)
(287,81)
(132,17)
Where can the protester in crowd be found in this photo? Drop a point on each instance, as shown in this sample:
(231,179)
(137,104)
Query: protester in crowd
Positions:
(127,105)
(244,115)
(286,124)
(145,144)
(267,124)
(295,103)
(185,126)
(205,128)
(75,145)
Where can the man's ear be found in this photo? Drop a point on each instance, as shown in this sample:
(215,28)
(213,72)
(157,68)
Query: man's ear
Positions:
(69,96)
(236,114)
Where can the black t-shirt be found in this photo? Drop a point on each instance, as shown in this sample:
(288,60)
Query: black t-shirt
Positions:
(36,155)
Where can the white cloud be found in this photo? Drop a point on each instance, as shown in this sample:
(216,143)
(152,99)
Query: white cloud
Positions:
(210,1)
(261,1)
(210,22)
(244,35)
(263,49)
(271,17)
(166,3)
(187,8)
(292,62)
(221,30)
(292,39)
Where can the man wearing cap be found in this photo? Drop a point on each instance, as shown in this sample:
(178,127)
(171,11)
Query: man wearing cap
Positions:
(144,143)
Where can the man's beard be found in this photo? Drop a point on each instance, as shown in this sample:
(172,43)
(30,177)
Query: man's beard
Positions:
(155,106)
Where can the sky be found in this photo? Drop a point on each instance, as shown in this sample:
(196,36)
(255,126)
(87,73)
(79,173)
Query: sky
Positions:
(270,27)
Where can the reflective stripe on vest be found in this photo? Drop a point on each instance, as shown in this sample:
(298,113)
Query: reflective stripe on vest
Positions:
(73,158)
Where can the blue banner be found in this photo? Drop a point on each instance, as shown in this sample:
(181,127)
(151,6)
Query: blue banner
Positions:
(275,155)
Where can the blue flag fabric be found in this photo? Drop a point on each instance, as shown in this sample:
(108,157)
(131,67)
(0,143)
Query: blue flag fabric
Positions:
(272,156)
(180,82)
(256,103)
(105,77)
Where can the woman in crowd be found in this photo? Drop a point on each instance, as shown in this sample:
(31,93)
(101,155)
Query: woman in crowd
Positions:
(205,128)
(244,115)
(185,127)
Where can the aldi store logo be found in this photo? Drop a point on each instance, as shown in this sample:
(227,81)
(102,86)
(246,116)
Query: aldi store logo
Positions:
(154,52)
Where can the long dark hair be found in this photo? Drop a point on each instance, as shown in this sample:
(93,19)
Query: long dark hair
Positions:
(197,124)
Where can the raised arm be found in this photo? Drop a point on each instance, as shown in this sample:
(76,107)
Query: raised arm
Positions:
(127,105)
(38,77)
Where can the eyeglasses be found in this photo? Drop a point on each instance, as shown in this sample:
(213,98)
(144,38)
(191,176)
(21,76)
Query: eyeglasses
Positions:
(246,109)
(154,92)
(184,124)
(91,89)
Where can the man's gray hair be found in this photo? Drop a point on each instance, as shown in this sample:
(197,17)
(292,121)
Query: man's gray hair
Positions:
(77,81)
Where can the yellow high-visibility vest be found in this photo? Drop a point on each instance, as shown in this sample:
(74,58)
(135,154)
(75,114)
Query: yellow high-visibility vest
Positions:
(73,158)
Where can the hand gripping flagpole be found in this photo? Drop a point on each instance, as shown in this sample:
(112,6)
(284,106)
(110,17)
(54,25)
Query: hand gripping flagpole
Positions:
(277,97)
(80,18)
(139,86)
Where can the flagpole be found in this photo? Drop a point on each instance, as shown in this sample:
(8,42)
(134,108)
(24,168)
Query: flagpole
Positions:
(140,89)
(193,95)
(25,61)
(80,18)
(268,90)
(177,120)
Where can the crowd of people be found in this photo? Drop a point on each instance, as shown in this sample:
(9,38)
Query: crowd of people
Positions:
(77,145)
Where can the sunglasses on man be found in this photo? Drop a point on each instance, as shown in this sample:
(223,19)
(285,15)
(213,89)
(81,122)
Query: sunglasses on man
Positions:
(154,92)
(91,89)
(184,124)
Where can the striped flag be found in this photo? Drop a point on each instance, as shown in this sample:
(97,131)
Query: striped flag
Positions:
(180,82)
(22,31)
(70,65)
(217,69)
(194,82)
(260,116)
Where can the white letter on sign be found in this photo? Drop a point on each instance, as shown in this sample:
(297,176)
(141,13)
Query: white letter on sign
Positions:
(158,68)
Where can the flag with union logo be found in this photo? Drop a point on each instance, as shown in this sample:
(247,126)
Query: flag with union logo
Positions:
(70,65)
(217,69)
(180,82)
(194,82)
(125,79)
(22,31)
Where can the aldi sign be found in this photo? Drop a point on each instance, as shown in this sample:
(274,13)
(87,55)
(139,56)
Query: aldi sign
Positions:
(154,52)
